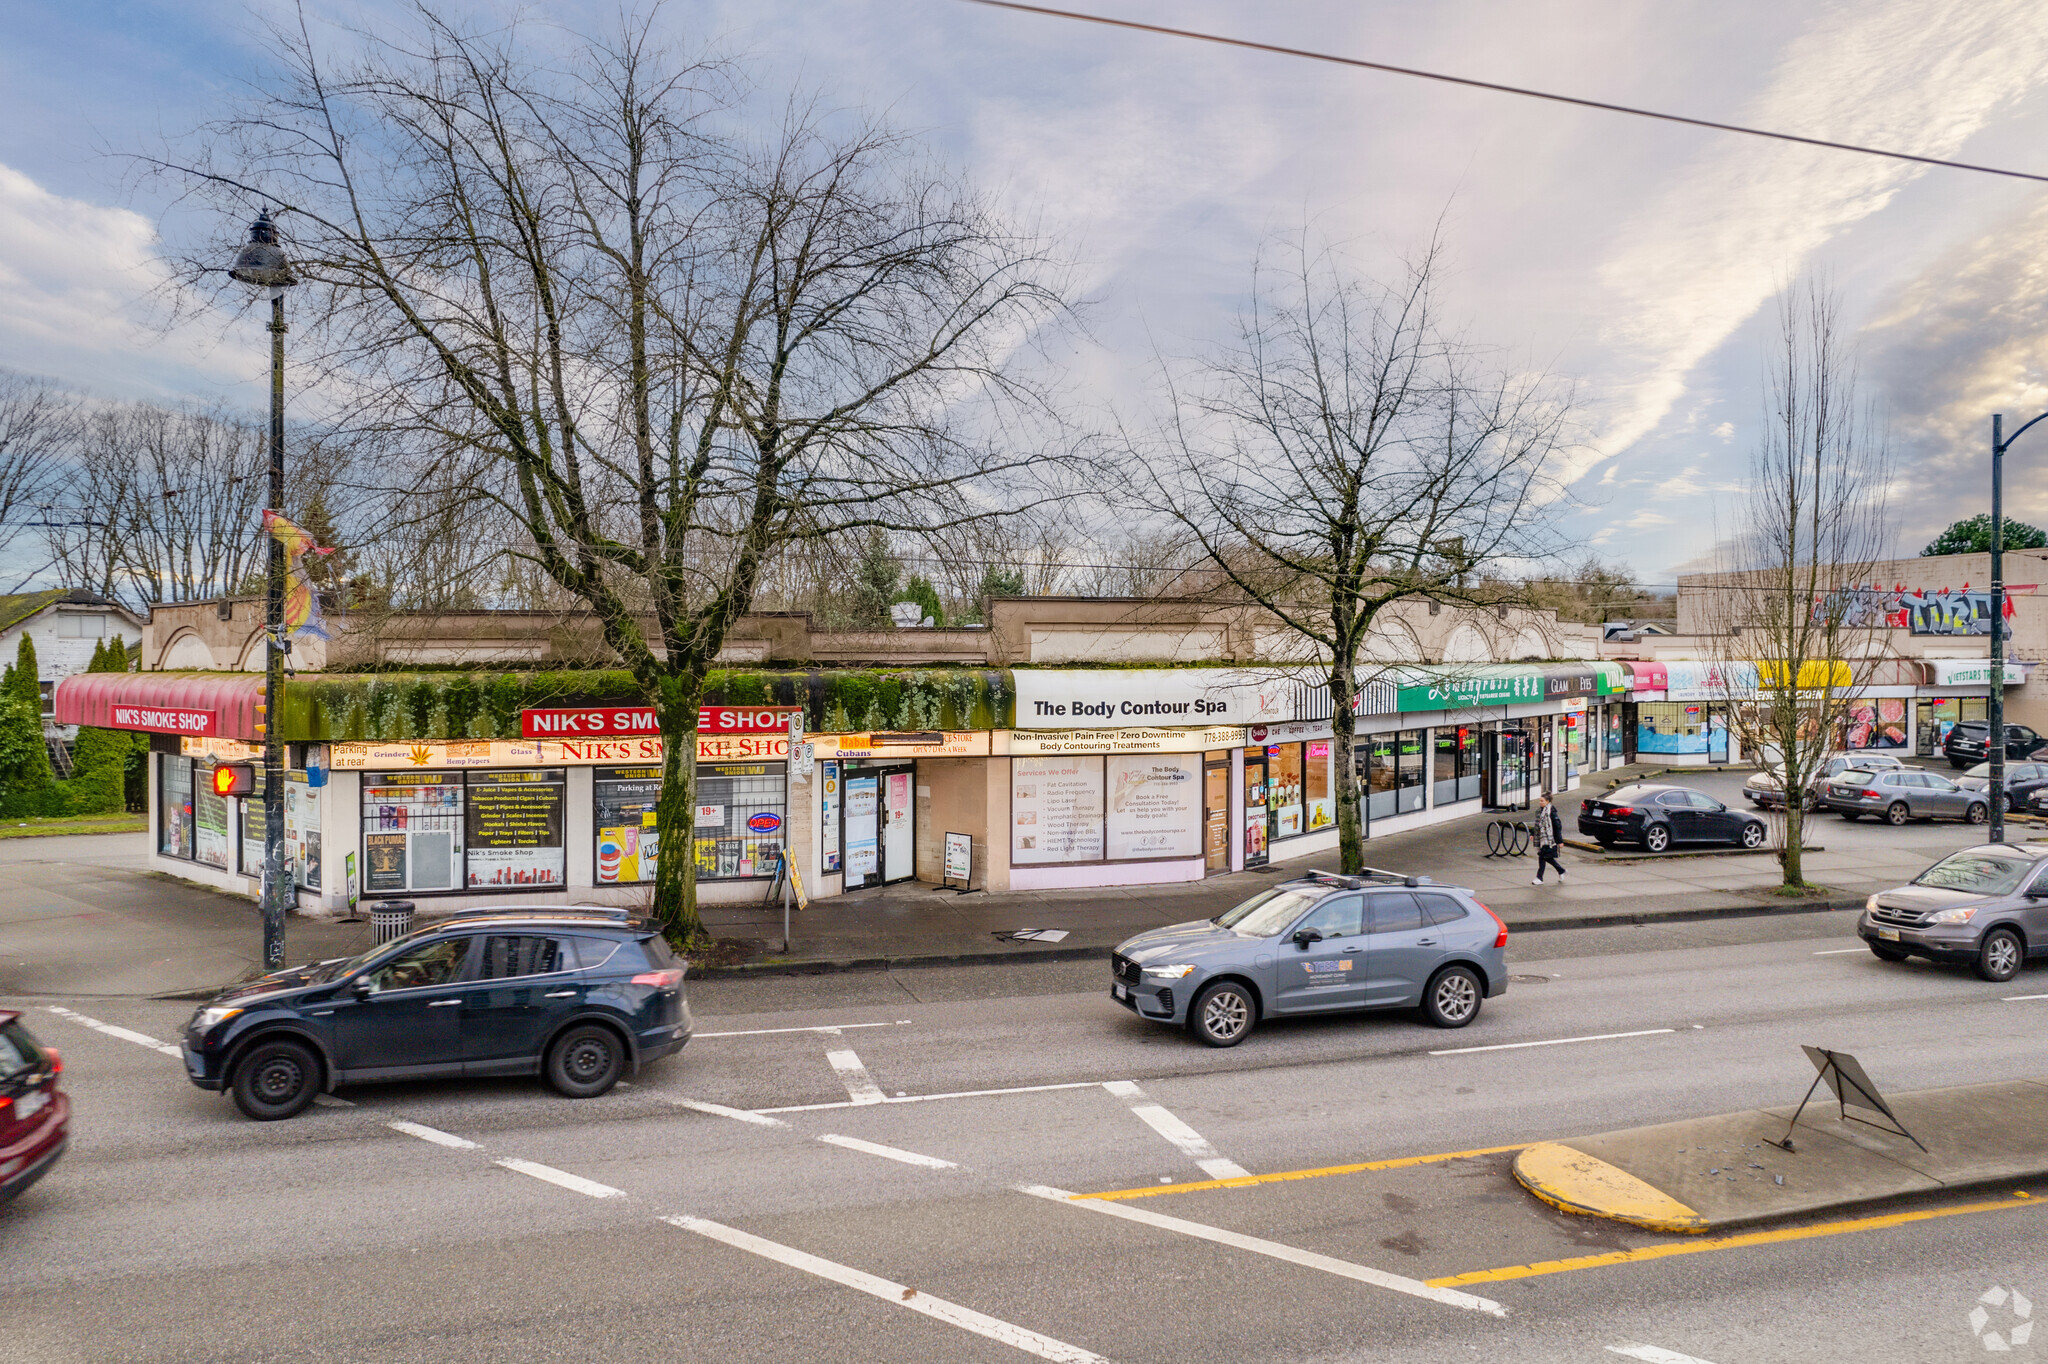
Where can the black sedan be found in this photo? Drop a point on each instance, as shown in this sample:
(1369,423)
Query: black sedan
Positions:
(1659,816)
(2022,781)
(581,998)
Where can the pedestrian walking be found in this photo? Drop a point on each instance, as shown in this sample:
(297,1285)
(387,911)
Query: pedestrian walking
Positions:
(1549,838)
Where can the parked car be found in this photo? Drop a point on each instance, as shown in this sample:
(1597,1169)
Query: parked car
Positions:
(2022,780)
(1321,943)
(35,1114)
(1659,816)
(579,997)
(1902,795)
(1970,742)
(1766,789)
(1987,906)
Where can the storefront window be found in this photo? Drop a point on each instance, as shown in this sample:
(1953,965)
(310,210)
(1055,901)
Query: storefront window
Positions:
(1056,810)
(1580,738)
(623,814)
(1154,807)
(1283,800)
(1391,772)
(174,806)
(1878,722)
(742,809)
(1681,727)
(302,830)
(412,831)
(212,825)
(828,816)
(1937,715)
(1455,771)
(1315,769)
(250,858)
(513,825)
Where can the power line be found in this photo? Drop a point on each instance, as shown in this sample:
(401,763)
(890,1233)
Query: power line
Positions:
(1523,91)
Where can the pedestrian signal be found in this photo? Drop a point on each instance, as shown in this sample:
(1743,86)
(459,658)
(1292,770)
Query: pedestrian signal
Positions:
(234,779)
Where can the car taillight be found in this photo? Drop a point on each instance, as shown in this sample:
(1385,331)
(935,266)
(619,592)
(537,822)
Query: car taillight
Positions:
(660,980)
(1500,939)
(1586,805)
(1873,795)
(1621,809)
(56,1060)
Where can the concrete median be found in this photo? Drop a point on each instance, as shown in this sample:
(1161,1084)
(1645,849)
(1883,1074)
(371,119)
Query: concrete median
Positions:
(1708,1174)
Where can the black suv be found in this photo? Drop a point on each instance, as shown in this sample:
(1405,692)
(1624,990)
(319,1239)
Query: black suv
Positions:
(1970,742)
(581,997)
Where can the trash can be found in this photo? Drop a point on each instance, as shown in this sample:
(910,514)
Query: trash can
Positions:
(390,919)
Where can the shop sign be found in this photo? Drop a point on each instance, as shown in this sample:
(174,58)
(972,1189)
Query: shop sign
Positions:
(1454,692)
(1971,672)
(588,722)
(162,719)
(766,822)
(1080,699)
(1814,675)
(221,750)
(1647,676)
(747,719)
(1710,681)
(1574,705)
(1021,744)
(966,743)
(486,753)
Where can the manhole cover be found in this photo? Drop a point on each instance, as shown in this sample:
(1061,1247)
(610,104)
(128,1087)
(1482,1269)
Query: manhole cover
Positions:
(1529,980)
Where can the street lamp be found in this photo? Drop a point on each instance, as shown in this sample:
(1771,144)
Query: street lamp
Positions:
(263,265)
(1995,707)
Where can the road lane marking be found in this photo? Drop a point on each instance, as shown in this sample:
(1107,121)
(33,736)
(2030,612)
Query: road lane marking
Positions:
(1249,1181)
(736,1114)
(115,1030)
(1831,952)
(1653,1354)
(1308,1259)
(2013,999)
(433,1134)
(826,1028)
(860,1086)
(1698,1245)
(1553,1042)
(888,1152)
(966,1318)
(928,1098)
(1191,1143)
(588,1187)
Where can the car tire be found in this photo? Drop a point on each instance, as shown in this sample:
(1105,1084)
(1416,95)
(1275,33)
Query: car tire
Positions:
(1958,763)
(275,1080)
(1852,815)
(1452,997)
(1999,956)
(1977,813)
(1656,838)
(1753,835)
(1897,813)
(1884,952)
(2005,803)
(585,1061)
(1223,1014)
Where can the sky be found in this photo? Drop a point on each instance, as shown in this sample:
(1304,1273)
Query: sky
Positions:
(1639,261)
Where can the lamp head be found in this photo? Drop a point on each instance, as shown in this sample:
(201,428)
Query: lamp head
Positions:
(262,261)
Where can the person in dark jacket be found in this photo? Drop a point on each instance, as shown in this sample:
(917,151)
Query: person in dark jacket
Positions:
(1549,838)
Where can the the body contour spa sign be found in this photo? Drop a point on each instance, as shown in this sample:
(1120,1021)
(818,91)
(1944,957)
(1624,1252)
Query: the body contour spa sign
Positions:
(1162,697)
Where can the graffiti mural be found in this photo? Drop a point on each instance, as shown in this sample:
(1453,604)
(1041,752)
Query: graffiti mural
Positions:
(1922,611)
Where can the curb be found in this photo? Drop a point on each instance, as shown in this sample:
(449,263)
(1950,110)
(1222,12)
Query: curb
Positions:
(1572,1181)
(1610,855)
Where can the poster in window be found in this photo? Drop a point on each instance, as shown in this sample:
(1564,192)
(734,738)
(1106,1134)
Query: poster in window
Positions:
(1155,805)
(210,821)
(628,843)
(828,816)
(384,856)
(514,828)
(1056,809)
(863,799)
(1322,809)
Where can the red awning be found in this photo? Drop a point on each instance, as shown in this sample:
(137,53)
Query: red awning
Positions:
(202,705)
(1647,676)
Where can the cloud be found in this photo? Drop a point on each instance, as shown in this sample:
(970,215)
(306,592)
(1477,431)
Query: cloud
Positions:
(1644,519)
(1726,431)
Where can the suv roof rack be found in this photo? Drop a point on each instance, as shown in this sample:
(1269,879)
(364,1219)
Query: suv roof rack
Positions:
(618,912)
(1377,876)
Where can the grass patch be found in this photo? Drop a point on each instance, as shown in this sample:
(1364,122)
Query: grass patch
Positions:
(1800,892)
(95,824)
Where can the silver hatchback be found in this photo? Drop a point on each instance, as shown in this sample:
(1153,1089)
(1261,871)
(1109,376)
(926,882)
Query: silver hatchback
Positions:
(1321,944)
(1902,795)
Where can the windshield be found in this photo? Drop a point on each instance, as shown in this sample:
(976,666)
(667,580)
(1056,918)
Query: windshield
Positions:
(341,966)
(1270,911)
(1980,770)
(1980,873)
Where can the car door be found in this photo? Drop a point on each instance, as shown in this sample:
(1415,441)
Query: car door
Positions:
(2020,742)
(409,1019)
(1716,822)
(1945,799)
(1329,973)
(2033,913)
(1678,812)
(522,984)
(1402,947)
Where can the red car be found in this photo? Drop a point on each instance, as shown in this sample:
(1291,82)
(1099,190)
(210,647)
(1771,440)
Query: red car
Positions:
(35,1117)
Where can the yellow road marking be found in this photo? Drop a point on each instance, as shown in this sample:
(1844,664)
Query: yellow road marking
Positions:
(1247,1181)
(1755,1238)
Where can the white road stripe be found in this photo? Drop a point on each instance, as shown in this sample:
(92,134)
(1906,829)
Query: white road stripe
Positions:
(1553,1042)
(721,1111)
(860,1086)
(928,1098)
(114,1030)
(433,1134)
(1308,1259)
(2014,999)
(966,1318)
(1831,952)
(764,1032)
(1192,1143)
(888,1152)
(1652,1354)
(578,1183)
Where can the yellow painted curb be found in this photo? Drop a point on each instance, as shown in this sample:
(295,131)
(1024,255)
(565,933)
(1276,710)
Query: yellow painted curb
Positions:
(1577,1182)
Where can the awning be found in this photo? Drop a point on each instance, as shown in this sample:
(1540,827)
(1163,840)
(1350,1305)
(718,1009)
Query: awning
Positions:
(202,705)
(1972,672)
(1646,676)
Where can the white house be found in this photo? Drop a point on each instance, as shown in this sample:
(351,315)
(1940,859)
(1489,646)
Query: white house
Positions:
(67,625)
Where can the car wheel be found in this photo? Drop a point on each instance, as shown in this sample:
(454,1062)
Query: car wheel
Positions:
(2005,803)
(585,1061)
(1453,997)
(1977,813)
(1958,763)
(1753,835)
(1656,838)
(1223,1014)
(1897,813)
(1886,952)
(276,1080)
(1998,960)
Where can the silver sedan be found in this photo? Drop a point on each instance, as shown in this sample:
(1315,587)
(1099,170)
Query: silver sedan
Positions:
(1898,796)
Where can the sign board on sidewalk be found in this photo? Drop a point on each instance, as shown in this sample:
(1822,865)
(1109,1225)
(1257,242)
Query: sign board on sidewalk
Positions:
(959,857)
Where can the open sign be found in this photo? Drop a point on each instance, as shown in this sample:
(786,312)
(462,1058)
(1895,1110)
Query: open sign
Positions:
(767,822)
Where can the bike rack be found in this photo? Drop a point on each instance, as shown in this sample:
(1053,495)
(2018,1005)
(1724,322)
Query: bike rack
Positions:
(1509,838)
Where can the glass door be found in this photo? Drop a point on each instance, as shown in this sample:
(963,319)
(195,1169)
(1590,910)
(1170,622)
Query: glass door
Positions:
(899,827)
(1255,807)
(862,840)
(1216,813)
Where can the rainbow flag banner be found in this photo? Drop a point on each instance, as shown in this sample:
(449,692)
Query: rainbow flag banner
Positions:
(301,602)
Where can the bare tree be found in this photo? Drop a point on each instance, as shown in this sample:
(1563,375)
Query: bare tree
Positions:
(38,430)
(1346,452)
(1814,525)
(686,349)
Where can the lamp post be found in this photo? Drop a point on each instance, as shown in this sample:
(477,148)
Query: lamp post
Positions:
(262,264)
(1995,706)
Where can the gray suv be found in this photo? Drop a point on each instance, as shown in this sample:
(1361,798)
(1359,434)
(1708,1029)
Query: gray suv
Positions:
(1902,795)
(1987,906)
(1321,944)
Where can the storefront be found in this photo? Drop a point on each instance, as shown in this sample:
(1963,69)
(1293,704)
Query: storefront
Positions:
(1954,690)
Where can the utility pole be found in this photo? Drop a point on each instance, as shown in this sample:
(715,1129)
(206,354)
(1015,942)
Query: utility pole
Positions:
(1994,707)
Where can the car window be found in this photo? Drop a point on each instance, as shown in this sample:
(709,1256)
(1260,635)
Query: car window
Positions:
(1270,911)
(1905,779)
(1394,911)
(526,954)
(1980,873)
(1938,782)
(2018,732)
(594,951)
(18,1051)
(1675,799)
(1702,801)
(428,964)
(1440,909)
(1340,916)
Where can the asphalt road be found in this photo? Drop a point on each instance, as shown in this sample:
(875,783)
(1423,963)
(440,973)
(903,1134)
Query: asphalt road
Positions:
(873,1218)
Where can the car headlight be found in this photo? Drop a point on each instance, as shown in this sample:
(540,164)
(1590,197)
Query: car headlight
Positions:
(1870,905)
(1168,972)
(214,1016)
(1953,916)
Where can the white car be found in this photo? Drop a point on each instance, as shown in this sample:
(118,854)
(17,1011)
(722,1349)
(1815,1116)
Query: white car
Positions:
(1766,789)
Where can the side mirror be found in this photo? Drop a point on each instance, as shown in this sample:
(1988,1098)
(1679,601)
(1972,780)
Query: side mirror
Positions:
(361,987)
(1304,936)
